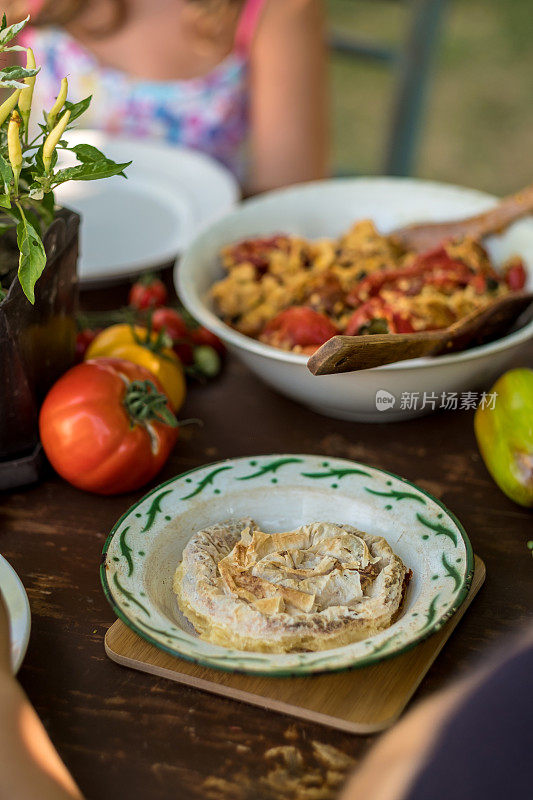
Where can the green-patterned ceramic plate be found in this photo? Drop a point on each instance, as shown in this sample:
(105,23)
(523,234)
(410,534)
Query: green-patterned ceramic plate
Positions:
(282,492)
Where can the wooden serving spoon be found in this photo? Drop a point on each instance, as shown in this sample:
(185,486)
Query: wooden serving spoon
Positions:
(427,235)
(352,353)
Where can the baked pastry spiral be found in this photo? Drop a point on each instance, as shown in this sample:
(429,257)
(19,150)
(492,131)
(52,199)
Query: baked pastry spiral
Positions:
(320,586)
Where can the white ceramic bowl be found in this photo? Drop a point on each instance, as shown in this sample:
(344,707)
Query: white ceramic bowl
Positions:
(327,208)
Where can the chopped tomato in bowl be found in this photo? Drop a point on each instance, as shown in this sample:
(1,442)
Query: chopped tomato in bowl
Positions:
(298,326)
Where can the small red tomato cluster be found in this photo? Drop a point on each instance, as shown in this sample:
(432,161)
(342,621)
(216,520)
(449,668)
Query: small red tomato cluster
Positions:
(198,349)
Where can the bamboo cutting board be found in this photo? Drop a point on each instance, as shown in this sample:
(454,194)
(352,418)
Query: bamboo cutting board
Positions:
(363,700)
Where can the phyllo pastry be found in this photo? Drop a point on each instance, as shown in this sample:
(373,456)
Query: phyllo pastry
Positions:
(320,586)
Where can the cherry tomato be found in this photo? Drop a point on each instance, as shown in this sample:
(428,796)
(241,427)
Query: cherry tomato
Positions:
(515,275)
(172,321)
(203,336)
(185,352)
(175,326)
(298,325)
(106,427)
(83,340)
(148,292)
(206,361)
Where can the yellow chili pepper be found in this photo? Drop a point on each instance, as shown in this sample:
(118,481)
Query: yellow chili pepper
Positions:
(134,344)
(58,105)
(13,147)
(53,138)
(8,105)
(26,95)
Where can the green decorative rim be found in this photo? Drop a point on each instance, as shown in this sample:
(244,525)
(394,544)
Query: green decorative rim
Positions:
(266,468)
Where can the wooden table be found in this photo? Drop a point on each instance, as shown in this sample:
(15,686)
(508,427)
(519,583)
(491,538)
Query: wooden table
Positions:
(128,734)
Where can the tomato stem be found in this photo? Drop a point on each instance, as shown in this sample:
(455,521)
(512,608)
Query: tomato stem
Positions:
(161,342)
(144,403)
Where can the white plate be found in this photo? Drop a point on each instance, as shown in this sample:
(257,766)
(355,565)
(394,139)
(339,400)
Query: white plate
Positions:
(281,492)
(140,223)
(18,610)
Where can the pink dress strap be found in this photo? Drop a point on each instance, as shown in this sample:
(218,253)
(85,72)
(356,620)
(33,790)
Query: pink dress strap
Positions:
(247,25)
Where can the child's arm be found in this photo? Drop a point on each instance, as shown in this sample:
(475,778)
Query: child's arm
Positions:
(30,768)
(289,110)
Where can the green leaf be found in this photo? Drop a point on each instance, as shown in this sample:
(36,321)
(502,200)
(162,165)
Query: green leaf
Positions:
(48,204)
(32,259)
(8,32)
(77,109)
(13,76)
(33,219)
(90,171)
(38,161)
(36,192)
(6,173)
(86,153)
(18,72)
(5,201)
(4,22)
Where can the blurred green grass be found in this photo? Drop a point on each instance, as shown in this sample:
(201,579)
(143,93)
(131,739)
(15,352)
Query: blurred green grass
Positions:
(477,128)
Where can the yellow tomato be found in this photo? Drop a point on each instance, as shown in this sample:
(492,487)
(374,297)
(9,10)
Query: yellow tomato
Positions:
(134,344)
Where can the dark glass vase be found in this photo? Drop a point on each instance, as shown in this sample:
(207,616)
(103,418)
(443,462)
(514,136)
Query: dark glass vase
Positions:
(37,344)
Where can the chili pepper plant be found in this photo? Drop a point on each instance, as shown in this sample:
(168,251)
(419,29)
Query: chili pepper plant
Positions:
(28,165)
(38,249)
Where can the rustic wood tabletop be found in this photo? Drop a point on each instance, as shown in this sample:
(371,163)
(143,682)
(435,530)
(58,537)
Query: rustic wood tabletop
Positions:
(128,734)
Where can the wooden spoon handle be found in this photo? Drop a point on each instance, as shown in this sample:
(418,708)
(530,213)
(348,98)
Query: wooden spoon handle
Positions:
(427,235)
(351,353)
(496,219)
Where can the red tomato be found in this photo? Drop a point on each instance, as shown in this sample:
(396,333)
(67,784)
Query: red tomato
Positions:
(148,292)
(185,352)
(402,324)
(175,326)
(373,309)
(202,336)
(256,251)
(378,309)
(93,430)
(479,283)
(435,267)
(298,325)
(515,275)
(172,321)
(83,340)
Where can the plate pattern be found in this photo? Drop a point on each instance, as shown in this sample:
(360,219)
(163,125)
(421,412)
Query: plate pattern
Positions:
(443,543)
